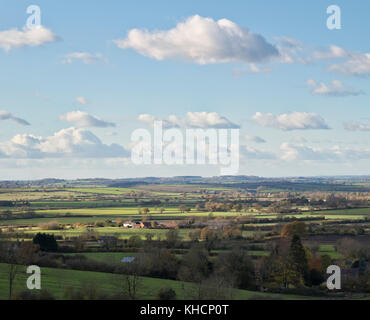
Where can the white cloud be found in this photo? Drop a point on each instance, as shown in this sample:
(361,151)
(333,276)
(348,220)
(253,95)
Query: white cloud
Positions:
(71,142)
(291,152)
(193,120)
(8,116)
(255,139)
(201,40)
(291,51)
(81,100)
(334,52)
(84,57)
(146,118)
(83,119)
(335,89)
(34,37)
(356,126)
(290,43)
(291,121)
(207,120)
(355,64)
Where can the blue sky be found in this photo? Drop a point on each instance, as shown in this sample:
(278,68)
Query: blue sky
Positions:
(40,84)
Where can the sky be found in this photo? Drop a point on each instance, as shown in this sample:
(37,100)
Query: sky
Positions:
(76,86)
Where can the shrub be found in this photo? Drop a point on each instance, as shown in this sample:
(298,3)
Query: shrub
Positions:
(265,297)
(166,293)
(135,241)
(34,295)
(52,225)
(88,291)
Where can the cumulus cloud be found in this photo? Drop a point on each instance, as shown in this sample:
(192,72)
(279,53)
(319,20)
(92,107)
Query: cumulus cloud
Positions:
(146,118)
(356,126)
(291,121)
(71,142)
(81,100)
(201,40)
(292,152)
(84,57)
(335,89)
(34,37)
(255,139)
(291,51)
(83,119)
(193,120)
(357,65)
(334,52)
(354,64)
(8,116)
(205,120)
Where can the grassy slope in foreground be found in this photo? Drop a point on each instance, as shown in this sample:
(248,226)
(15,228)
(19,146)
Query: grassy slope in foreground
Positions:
(56,280)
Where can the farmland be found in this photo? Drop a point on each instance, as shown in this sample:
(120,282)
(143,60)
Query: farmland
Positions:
(57,280)
(95,225)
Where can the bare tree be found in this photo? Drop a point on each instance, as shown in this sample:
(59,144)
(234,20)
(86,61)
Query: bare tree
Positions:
(13,270)
(130,281)
(130,286)
(9,256)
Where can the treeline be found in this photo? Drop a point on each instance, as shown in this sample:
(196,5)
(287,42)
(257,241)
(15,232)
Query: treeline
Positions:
(7,203)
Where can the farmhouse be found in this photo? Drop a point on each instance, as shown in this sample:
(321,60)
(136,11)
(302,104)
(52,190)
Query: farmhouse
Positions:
(127,225)
(140,225)
(137,225)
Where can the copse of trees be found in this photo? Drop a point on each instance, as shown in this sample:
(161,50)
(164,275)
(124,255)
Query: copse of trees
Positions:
(7,203)
(172,238)
(212,235)
(352,249)
(237,268)
(195,265)
(294,228)
(290,265)
(47,242)
(157,262)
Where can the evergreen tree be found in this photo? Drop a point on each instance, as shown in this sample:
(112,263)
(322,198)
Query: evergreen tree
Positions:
(47,242)
(298,257)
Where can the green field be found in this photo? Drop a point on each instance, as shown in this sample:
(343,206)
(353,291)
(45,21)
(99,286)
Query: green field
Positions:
(329,250)
(116,257)
(57,280)
(121,233)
